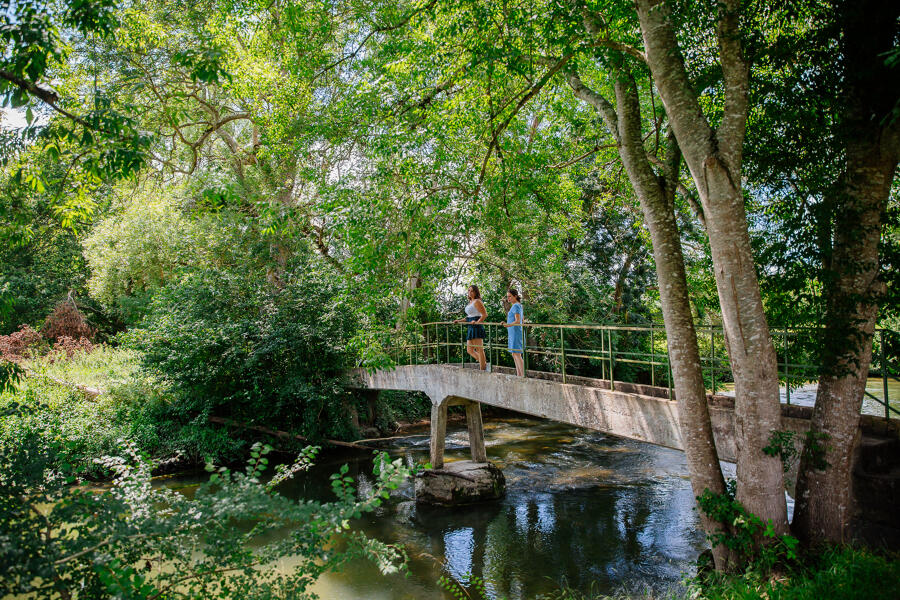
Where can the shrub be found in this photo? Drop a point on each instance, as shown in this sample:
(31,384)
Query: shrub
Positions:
(231,344)
(21,344)
(68,347)
(66,321)
(137,540)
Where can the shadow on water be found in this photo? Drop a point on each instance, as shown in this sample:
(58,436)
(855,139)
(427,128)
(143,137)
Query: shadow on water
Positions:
(593,511)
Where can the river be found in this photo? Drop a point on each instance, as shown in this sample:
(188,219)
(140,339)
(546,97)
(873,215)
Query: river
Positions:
(583,509)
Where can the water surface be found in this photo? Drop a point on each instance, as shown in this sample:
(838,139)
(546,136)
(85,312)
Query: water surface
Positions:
(582,509)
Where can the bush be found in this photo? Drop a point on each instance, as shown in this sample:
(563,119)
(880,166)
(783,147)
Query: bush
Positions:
(21,344)
(137,540)
(231,344)
(66,321)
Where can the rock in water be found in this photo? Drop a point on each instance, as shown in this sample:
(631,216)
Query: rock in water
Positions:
(462,482)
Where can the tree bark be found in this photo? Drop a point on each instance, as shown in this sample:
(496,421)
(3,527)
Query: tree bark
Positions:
(714,160)
(656,195)
(824,506)
(657,199)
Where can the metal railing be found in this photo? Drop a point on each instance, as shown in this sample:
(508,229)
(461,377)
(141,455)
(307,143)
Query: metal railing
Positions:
(637,353)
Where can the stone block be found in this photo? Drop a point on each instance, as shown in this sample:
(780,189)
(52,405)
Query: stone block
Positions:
(462,482)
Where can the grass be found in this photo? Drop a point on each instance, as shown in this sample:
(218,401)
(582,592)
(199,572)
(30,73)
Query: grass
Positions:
(835,574)
(132,406)
(840,573)
(104,368)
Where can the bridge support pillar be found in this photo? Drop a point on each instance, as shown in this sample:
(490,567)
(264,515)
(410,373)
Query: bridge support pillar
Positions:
(460,482)
(476,432)
(438,433)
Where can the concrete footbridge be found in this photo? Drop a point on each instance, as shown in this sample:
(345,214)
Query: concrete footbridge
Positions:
(612,379)
(639,412)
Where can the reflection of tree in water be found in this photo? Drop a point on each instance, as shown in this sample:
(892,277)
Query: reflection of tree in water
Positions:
(602,535)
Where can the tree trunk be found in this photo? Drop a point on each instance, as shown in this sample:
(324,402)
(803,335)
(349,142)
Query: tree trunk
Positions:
(656,196)
(714,160)
(852,286)
(657,199)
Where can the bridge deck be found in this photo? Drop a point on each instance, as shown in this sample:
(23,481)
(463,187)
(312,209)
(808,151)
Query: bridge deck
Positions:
(637,412)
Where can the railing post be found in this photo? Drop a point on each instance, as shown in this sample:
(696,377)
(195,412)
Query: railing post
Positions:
(669,373)
(612,384)
(447,341)
(787,381)
(525,349)
(462,339)
(712,357)
(884,377)
(494,351)
(652,358)
(562,351)
(602,352)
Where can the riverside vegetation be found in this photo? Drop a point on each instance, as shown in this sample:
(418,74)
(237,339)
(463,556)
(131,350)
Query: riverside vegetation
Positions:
(217,208)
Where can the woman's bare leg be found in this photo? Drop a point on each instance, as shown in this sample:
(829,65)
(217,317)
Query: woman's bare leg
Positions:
(520,363)
(478,352)
(470,349)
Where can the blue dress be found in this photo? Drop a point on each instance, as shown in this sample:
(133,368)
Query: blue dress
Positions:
(516,336)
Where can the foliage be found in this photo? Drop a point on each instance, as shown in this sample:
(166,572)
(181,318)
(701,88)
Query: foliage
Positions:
(40,263)
(137,540)
(476,589)
(66,321)
(744,531)
(21,344)
(129,406)
(784,444)
(229,344)
(136,250)
(67,347)
(841,573)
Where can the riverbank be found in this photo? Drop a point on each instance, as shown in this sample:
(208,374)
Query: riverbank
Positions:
(92,400)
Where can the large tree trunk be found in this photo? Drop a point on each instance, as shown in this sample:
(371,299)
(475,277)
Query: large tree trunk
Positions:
(824,503)
(714,160)
(656,195)
(658,206)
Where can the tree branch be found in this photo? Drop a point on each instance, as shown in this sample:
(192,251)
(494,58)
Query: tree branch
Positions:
(598,101)
(538,85)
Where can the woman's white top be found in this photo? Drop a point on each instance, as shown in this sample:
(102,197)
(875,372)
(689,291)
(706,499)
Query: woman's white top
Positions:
(471,311)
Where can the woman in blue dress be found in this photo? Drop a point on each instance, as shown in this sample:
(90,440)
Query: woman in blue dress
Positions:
(514,320)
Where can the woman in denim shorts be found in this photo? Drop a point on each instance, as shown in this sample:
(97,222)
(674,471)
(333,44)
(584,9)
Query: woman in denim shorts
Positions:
(475,315)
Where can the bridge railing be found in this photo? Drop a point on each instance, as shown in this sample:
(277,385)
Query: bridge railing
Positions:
(638,354)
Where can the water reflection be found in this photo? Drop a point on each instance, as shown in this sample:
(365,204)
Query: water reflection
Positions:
(581,508)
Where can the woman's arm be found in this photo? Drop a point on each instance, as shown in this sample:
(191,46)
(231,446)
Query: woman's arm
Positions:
(479,305)
(518,321)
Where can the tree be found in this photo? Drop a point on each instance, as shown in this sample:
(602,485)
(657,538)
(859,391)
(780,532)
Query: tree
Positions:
(713,156)
(868,135)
